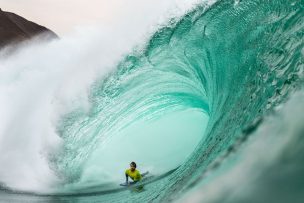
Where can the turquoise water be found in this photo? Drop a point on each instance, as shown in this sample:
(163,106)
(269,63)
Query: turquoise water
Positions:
(206,97)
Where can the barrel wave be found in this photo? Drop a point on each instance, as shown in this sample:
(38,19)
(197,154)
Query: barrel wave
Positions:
(230,74)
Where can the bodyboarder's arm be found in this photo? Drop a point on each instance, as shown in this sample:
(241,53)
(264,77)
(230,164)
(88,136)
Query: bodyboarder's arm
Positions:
(127,177)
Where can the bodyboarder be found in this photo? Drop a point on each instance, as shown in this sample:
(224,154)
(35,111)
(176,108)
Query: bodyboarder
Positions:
(133,174)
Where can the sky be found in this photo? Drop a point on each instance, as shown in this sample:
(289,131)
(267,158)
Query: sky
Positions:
(62,16)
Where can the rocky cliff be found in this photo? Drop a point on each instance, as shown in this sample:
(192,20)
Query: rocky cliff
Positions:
(14,29)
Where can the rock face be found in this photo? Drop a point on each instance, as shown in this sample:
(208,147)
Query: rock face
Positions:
(14,29)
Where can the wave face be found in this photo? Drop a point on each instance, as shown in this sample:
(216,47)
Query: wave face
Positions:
(228,65)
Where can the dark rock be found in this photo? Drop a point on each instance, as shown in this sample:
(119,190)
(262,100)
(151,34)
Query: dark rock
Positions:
(14,29)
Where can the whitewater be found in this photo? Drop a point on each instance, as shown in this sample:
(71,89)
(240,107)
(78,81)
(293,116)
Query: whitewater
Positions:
(205,95)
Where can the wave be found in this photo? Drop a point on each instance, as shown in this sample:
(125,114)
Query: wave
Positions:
(215,75)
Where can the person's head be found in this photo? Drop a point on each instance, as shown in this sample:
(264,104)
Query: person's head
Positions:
(132,165)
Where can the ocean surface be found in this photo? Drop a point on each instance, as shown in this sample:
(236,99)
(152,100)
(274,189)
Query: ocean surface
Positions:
(211,104)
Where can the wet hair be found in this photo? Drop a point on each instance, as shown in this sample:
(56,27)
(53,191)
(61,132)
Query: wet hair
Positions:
(133,164)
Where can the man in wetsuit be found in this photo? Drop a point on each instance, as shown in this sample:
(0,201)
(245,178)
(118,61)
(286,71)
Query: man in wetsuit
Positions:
(133,174)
